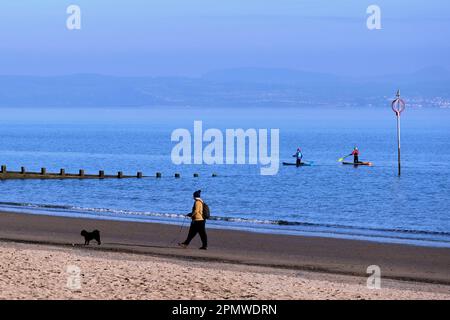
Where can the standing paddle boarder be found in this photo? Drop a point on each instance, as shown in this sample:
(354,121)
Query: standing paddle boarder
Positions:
(356,162)
(355,154)
(299,156)
(199,214)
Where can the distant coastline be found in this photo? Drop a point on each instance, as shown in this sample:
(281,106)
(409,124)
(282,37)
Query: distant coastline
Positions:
(242,87)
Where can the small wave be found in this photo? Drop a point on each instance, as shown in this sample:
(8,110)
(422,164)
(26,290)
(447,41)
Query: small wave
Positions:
(247,221)
(32,205)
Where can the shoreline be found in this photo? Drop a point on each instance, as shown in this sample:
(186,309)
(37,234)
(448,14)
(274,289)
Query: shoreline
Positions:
(284,252)
(305,229)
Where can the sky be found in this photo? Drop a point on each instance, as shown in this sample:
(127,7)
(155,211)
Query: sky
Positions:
(192,37)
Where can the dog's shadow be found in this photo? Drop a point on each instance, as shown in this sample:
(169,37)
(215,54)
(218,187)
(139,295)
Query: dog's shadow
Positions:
(138,245)
(95,235)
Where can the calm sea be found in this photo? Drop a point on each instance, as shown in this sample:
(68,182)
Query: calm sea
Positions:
(326,199)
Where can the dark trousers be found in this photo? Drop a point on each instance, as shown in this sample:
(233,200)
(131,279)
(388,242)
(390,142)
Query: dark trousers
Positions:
(355,159)
(197,227)
(298,162)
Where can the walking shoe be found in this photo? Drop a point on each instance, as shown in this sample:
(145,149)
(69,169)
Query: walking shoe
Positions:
(181,244)
(203,248)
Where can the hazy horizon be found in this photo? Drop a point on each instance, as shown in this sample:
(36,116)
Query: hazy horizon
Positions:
(431,67)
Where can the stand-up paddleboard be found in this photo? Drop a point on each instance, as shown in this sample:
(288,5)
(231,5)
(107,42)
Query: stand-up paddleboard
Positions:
(303,164)
(359,163)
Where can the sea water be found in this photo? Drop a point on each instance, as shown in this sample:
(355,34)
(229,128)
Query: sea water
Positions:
(327,199)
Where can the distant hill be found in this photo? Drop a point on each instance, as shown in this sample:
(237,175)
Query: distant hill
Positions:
(271,76)
(242,87)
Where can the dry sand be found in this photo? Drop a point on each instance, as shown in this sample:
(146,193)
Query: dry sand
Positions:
(31,271)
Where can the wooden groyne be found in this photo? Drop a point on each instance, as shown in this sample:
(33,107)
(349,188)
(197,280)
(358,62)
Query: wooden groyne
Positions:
(62,174)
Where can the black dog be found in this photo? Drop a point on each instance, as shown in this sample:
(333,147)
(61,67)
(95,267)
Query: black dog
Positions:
(88,236)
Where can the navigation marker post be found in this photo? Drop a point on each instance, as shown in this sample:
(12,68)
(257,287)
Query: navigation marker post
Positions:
(398,106)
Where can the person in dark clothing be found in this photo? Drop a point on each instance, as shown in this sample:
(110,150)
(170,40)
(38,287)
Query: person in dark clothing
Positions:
(198,224)
(298,156)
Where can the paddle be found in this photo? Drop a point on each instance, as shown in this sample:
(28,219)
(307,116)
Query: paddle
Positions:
(342,159)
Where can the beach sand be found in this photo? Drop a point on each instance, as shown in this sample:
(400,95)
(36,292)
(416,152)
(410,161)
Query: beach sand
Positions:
(138,261)
(41,272)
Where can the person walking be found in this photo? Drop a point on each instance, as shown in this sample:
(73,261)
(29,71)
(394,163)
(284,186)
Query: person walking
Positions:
(198,222)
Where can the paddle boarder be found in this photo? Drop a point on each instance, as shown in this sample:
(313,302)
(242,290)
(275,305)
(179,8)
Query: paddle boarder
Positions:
(356,162)
(355,154)
(299,156)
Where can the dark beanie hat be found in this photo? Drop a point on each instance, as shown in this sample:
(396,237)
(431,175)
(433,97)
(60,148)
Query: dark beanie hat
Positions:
(197,194)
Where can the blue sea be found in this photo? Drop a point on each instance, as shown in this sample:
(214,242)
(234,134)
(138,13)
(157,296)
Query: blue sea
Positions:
(327,199)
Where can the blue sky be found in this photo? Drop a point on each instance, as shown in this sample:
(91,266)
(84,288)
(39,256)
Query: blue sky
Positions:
(191,37)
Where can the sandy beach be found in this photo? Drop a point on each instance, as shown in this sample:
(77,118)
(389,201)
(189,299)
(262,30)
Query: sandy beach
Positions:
(43,272)
(41,257)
